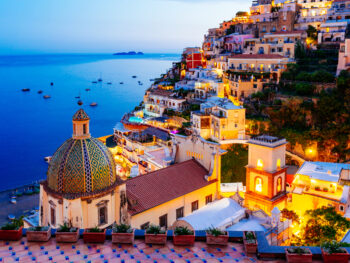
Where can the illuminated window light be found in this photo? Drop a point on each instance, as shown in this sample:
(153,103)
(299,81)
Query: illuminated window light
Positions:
(260,164)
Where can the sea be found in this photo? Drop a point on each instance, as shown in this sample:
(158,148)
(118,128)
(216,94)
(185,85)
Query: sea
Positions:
(32,127)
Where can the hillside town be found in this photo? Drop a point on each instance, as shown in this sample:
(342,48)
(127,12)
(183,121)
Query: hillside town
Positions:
(249,133)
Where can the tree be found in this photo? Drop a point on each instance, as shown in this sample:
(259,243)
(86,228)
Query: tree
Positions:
(233,164)
(312,32)
(321,225)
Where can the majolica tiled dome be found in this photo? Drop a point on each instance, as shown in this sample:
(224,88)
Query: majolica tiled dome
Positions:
(81,166)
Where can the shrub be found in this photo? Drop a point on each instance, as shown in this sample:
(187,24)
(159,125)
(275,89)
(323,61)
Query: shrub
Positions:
(298,250)
(155,230)
(38,228)
(122,228)
(333,247)
(325,189)
(304,89)
(95,230)
(14,225)
(317,188)
(303,76)
(66,227)
(182,231)
(322,76)
(215,232)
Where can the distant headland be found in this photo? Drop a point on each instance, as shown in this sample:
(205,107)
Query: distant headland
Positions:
(130,53)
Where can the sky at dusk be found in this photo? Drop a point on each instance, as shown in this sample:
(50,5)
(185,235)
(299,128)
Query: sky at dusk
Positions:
(105,26)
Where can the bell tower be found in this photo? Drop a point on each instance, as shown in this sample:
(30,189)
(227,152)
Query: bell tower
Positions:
(81,125)
(266,173)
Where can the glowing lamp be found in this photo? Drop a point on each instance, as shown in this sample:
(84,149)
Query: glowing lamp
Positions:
(260,164)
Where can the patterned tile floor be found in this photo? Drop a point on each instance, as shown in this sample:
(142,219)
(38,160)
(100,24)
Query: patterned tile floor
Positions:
(23,251)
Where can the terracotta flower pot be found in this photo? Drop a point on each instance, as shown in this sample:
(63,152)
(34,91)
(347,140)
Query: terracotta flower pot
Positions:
(94,237)
(299,258)
(250,246)
(159,239)
(11,235)
(335,257)
(39,236)
(221,240)
(67,237)
(184,240)
(123,238)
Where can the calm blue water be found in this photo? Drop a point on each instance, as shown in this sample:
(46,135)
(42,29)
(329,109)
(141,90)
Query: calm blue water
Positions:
(32,127)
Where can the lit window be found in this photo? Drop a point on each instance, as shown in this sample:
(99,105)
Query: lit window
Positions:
(260,164)
(278,163)
(279,184)
(258,184)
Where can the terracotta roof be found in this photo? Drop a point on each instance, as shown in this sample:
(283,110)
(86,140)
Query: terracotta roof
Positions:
(258,56)
(160,92)
(147,191)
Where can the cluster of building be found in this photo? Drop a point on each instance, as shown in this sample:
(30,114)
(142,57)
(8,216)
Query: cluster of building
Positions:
(162,165)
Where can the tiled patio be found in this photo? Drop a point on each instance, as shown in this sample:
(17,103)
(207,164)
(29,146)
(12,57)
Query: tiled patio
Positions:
(23,251)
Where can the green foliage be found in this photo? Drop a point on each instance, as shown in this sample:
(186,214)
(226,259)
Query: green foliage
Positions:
(298,250)
(182,231)
(16,224)
(39,228)
(250,237)
(289,214)
(323,225)
(95,229)
(332,247)
(66,227)
(233,164)
(155,230)
(122,228)
(304,89)
(312,32)
(215,232)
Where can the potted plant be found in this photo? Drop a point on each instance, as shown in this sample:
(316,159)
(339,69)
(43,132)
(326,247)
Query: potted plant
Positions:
(94,235)
(216,237)
(183,236)
(250,242)
(298,254)
(123,234)
(12,231)
(332,252)
(39,233)
(67,234)
(155,235)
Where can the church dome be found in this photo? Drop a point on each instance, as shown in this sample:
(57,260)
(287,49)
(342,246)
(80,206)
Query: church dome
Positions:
(82,164)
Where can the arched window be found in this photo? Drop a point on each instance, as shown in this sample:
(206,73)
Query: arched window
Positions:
(258,184)
(279,184)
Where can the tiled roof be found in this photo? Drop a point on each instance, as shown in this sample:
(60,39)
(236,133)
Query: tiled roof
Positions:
(153,189)
(286,33)
(257,56)
(80,115)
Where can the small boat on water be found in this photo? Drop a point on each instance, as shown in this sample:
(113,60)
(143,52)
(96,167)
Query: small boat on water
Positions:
(47,97)
(11,217)
(134,77)
(94,104)
(80,102)
(77,97)
(51,83)
(40,91)
(121,83)
(13,200)
(94,82)
(48,159)
(109,83)
(25,90)
(87,89)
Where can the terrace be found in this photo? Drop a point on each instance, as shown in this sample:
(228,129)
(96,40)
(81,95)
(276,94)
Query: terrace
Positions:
(51,251)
